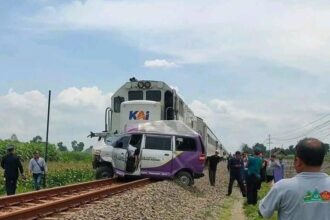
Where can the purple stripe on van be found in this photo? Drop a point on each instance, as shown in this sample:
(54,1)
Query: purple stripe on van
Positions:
(186,160)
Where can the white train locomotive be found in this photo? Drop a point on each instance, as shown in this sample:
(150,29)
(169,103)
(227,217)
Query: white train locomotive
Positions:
(145,100)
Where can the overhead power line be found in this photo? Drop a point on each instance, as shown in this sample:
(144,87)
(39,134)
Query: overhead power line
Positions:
(284,135)
(325,124)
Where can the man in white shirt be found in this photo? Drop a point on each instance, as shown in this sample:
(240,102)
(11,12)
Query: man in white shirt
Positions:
(305,196)
(37,167)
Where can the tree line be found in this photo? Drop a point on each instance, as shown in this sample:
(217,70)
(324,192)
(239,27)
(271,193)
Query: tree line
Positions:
(290,150)
(76,146)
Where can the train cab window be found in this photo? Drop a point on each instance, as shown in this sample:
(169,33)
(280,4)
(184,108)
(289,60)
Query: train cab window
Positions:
(185,144)
(158,142)
(116,103)
(135,95)
(153,95)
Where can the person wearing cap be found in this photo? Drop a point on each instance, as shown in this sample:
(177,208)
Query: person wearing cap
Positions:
(236,165)
(12,166)
(213,162)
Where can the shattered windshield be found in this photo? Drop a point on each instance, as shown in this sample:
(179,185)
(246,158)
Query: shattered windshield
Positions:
(111,140)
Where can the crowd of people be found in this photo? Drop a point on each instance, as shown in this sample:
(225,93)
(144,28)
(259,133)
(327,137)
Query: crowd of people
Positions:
(250,171)
(304,196)
(12,166)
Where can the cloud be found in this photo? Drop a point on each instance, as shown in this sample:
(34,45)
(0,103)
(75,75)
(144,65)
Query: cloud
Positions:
(74,112)
(22,113)
(233,124)
(293,34)
(227,111)
(86,97)
(239,122)
(158,63)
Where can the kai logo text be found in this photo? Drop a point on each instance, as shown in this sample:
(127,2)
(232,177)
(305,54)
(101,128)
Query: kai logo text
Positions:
(138,115)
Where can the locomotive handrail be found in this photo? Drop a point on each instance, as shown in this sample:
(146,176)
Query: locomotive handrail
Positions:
(99,134)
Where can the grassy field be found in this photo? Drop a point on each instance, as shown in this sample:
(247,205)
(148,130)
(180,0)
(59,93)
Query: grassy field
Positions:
(59,174)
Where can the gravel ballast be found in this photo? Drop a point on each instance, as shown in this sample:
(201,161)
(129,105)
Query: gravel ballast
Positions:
(162,200)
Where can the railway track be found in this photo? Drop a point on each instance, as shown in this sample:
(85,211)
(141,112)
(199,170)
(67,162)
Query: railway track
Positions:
(39,204)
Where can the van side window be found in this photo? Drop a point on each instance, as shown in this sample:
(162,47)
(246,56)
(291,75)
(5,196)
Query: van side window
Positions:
(136,140)
(185,144)
(158,143)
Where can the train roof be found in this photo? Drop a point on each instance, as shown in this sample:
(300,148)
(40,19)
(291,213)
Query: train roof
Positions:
(173,127)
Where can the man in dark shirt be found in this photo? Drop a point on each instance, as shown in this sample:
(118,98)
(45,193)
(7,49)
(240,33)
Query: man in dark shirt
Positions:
(11,164)
(235,165)
(213,162)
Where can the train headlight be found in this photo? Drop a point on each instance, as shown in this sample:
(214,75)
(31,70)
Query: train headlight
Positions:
(147,84)
(140,84)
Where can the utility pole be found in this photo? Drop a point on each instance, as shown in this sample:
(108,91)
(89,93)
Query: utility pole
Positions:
(269,146)
(46,150)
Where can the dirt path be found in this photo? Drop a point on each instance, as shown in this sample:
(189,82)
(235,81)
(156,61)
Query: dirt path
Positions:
(237,212)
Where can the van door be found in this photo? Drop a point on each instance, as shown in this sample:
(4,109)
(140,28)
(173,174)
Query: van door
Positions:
(157,155)
(120,154)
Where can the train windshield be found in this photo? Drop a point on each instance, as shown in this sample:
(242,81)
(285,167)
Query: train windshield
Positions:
(153,95)
(135,95)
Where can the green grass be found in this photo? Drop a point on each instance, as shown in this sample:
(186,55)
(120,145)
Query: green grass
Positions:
(226,208)
(251,211)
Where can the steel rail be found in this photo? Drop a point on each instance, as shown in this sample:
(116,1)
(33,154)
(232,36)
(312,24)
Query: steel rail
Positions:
(41,194)
(53,205)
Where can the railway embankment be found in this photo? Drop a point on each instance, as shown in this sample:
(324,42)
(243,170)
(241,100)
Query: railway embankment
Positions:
(162,200)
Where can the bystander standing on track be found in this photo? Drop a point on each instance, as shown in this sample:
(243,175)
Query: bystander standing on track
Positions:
(236,166)
(12,166)
(306,195)
(38,168)
(253,178)
(213,163)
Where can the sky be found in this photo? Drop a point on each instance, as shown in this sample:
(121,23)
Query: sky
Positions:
(249,68)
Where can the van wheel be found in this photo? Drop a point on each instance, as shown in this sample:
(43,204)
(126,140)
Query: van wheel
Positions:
(185,178)
(103,172)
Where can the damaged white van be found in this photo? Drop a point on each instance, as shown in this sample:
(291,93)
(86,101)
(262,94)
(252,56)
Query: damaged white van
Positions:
(159,149)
